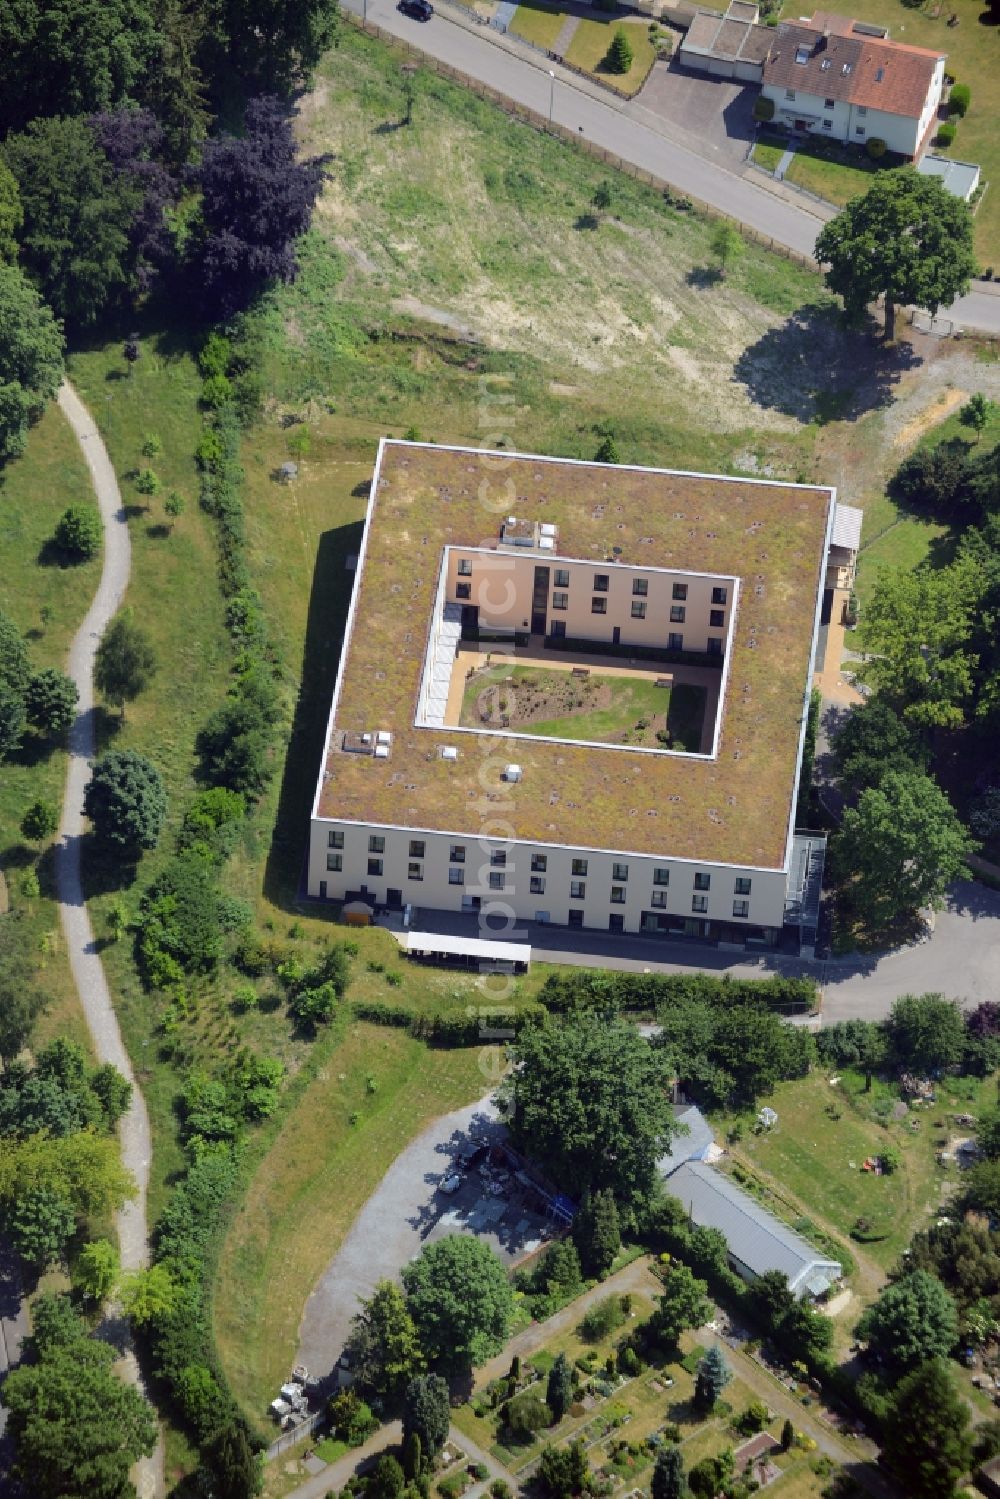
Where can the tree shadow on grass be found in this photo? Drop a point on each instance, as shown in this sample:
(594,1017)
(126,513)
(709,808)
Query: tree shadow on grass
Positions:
(703,276)
(815,368)
(329,599)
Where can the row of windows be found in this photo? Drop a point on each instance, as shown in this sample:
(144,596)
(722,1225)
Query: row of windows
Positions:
(561,578)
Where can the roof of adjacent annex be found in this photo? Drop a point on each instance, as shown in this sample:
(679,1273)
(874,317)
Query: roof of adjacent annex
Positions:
(734,809)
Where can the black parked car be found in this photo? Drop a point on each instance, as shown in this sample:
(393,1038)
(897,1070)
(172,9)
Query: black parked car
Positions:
(420,10)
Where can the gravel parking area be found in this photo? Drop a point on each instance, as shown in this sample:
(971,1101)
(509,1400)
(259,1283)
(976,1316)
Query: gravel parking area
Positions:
(407,1211)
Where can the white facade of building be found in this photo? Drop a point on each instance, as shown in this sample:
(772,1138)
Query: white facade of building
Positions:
(856,124)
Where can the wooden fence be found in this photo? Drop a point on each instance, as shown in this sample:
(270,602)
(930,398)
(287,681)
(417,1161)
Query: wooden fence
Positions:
(536,121)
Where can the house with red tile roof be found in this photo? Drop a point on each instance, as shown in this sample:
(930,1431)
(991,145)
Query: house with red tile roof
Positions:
(846,80)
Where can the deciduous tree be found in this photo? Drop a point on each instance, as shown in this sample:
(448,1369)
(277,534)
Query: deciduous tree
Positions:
(383,1346)
(683,1304)
(871,740)
(727,244)
(914,1319)
(40,1224)
(125,800)
(31,357)
(78,532)
(907,240)
(589,1101)
(96,1269)
(925,1439)
(901,847)
(256,201)
(39,821)
(926,1032)
(460,1299)
(125,661)
(916,633)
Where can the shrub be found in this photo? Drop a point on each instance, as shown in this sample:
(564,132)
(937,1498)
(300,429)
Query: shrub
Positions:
(50,702)
(526,1415)
(40,821)
(216,391)
(959,100)
(763,109)
(147,481)
(179,921)
(945,134)
(79,531)
(152,447)
(876,147)
(602,1318)
(620,56)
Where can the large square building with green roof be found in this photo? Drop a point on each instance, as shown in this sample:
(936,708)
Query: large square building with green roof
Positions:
(573,693)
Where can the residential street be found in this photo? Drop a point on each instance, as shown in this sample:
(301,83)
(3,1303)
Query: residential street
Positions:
(627,129)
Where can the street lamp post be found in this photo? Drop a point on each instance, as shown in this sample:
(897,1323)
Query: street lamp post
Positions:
(552,93)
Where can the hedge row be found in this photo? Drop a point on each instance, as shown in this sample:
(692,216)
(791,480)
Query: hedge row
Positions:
(647,993)
(459,1029)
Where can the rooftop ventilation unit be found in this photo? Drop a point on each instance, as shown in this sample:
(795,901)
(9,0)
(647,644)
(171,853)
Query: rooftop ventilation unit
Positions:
(546,543)
(383,737)
(512,773)
(381,752)
(448,752)
(548,529)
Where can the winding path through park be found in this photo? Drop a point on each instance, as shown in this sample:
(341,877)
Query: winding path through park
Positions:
(82,950)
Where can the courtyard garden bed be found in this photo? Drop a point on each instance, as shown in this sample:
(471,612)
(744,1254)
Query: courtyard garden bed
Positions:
(614,709)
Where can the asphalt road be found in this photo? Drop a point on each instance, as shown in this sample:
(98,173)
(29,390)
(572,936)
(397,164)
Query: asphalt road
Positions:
(625,128)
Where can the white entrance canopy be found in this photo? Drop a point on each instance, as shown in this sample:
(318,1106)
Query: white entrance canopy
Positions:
(437,944)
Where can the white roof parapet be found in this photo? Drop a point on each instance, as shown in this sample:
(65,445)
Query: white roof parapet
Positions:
(847,521)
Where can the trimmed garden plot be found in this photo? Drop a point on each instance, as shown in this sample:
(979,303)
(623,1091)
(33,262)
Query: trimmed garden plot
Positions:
(589,49)
(539,24)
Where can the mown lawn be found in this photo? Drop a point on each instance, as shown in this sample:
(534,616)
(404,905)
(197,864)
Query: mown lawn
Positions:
(540,24)
(973,50)
(588,49)
(47,603)
(767,154)
(832,171)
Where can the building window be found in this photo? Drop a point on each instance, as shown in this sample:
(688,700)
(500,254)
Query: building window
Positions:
(677,614)
(562,577)
(680,591)
(714,646)
(802,55)
(376,845)
(463,590)
(574,918)
(598,606)
(829,103)
(600,582)
(862,110)
(557,629)
(539,863)
(498,858)
(456,877)
(577,890)
(741,908)
(497,880)
(640,587)
(859,130)
(418,848)
(789,93)
(537,885)
(741,886)
(456,854)
(702,881)
(560,601)
(716,618)
(661,876)
(374,866)
(335,839)
(335,862)
(414,871)
(827,124)
(675,642)
(720,595)
(617,895)
(658,899)
(579,867)
(638,608)
(619,872)
(699,903)
(464,567)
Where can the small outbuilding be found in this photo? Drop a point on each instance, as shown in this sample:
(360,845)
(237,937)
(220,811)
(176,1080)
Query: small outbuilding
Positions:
(958,177)
(731,46)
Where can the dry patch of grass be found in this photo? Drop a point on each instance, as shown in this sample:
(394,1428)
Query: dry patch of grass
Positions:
(311,1185)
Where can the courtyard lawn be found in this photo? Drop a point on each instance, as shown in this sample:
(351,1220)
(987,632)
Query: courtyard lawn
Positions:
(540,24)
(973,48)
(558,705)
(810,1162)
(589,48)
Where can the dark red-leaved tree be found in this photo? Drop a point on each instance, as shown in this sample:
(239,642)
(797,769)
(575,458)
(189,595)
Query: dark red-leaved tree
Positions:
(256,201)
(132,140)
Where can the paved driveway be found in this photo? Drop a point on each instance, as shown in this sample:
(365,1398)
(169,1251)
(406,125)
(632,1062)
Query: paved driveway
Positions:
(716,113)
(405,1212)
